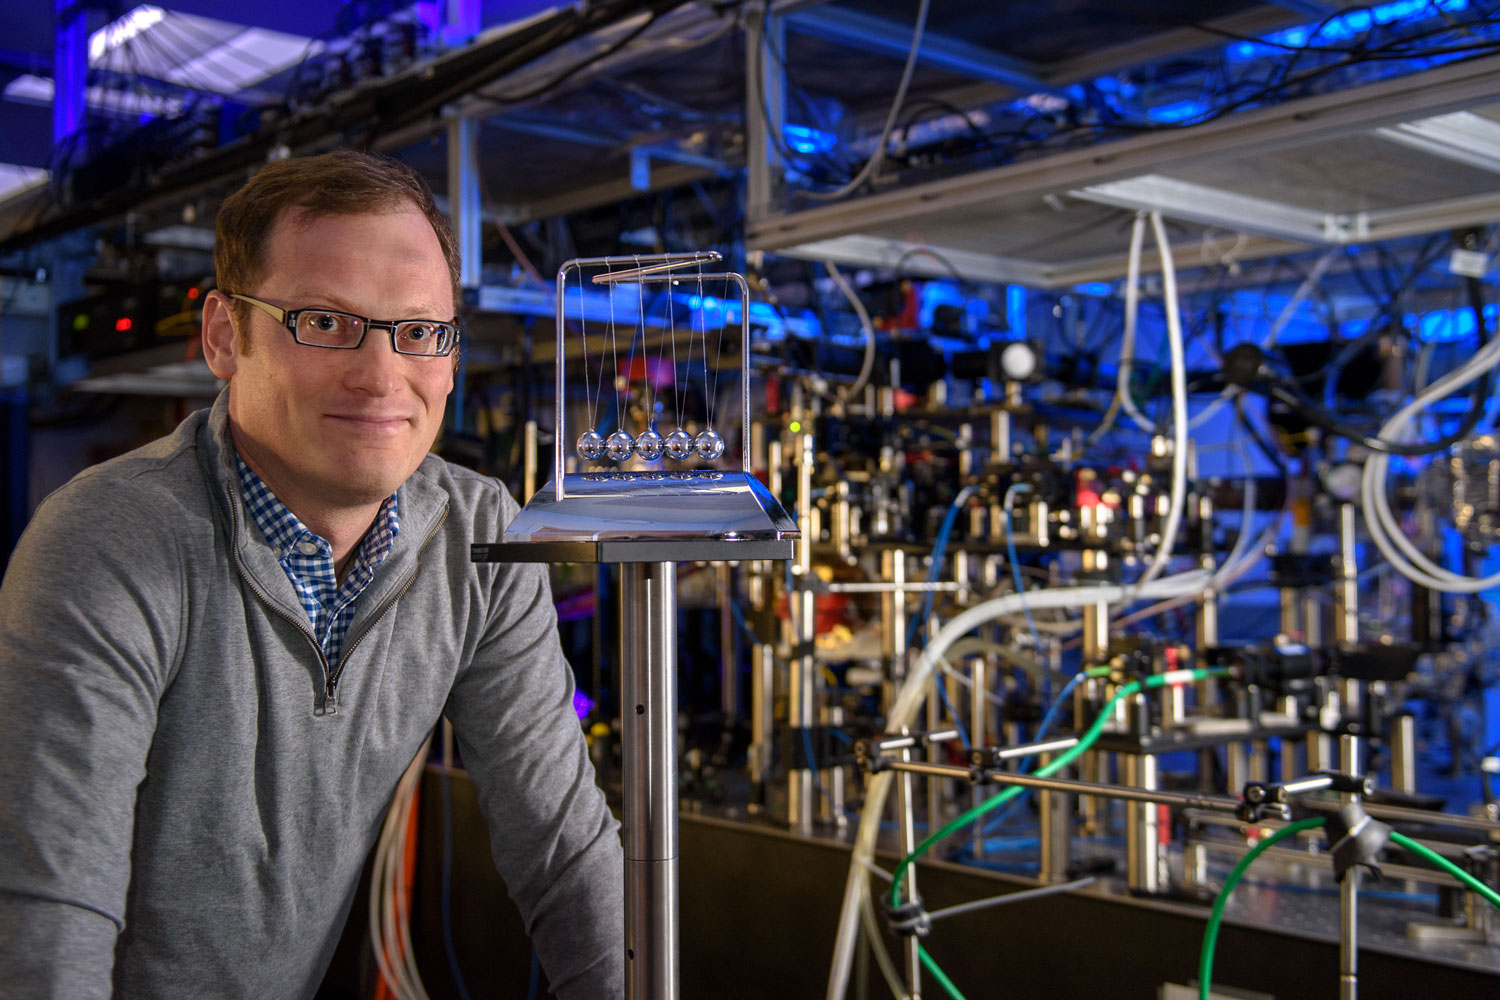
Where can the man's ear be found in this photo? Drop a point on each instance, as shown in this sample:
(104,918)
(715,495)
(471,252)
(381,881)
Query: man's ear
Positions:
(221,347)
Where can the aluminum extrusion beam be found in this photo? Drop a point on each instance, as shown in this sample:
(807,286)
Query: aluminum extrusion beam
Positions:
(874,34)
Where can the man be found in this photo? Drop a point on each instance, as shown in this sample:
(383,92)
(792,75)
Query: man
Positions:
(219,652)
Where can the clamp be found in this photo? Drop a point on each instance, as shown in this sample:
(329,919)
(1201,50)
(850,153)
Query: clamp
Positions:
(908,919)
(1273,799)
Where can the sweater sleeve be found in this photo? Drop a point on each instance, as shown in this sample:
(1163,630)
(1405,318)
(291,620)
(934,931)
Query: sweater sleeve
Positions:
(89,613)
(551,833)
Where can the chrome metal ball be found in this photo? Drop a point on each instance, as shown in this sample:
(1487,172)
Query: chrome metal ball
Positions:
(590,446)
(679,445)
(709,445)
(620,446)
(649,444)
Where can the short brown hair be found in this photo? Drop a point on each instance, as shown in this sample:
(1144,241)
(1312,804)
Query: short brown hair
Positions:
(343,182)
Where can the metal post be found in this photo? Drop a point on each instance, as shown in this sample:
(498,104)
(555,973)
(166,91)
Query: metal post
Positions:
(729,662)
(648,687)
(1347,626)
(907,838)
(1349,894)
(765,111)
(1055,832)
(1143,856)
(70,66)
(762,721)
(803,694)
(529,463)
(1404,753)
(978,733)
(463,198)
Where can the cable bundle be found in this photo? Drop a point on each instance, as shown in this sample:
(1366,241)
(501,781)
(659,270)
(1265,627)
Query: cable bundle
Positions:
(390,888)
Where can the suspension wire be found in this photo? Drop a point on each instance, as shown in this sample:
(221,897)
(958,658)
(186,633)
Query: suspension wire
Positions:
(614,351)
(591,405)
(639,329)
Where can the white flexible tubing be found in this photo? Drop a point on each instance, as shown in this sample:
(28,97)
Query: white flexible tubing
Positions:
(904,713)
(877,157)
(1385,530)
(1179,406)
(1132,319)
(868,365)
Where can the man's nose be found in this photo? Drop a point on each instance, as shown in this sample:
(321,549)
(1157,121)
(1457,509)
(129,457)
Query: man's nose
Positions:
(375,366)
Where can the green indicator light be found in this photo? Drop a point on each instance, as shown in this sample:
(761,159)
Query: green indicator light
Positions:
(796,426)
(81,321)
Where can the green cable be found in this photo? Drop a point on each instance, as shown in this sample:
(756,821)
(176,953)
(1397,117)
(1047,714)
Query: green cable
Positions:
(1073,753)
(1059,763)
(937,973)
(1402,840)
(1211,932)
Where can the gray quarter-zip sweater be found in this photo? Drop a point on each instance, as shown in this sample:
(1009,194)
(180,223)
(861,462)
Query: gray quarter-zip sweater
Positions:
(188,790)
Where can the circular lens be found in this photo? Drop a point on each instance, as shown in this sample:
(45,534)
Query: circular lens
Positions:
(590,446)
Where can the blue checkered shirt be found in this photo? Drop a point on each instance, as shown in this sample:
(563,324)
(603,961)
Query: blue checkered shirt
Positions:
(308,560)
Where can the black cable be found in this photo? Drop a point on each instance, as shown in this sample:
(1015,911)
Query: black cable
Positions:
(1266,448)
(574,70)
(1479,397)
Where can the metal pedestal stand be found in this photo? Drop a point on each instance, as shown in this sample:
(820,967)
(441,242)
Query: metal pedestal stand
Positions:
(648,706)
(648,521)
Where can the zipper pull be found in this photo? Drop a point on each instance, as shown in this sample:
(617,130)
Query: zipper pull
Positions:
(330,700)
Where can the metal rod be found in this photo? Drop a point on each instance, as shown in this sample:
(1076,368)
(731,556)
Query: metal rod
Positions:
(890,588)
(1188,800)
(978,734)
(1012,897)
(653,270)
(648,687)
(1054,832)
(1057,745)
(803,693)
(907,839)
(1143,856)
(1404,753)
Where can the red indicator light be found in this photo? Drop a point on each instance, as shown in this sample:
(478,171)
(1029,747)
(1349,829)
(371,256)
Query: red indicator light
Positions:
(192,293)
(122,324)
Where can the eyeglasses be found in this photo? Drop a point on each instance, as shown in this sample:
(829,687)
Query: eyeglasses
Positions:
(345,332)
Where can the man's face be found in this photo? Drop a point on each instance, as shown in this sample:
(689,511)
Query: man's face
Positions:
(335,429)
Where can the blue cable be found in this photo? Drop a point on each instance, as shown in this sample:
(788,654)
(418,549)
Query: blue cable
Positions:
(1049,717)
(458,977)
(536,966)
(935,570)
(1015,571)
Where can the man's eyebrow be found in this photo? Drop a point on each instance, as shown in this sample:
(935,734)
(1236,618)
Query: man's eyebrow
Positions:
(326,300)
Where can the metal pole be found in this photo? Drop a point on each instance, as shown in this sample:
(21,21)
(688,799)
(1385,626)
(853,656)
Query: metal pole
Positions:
(1143,858)
(1349,894)
(979,733)
(1055,831)
(1404,753)
(648,687)
(729,661)
(803,700)
(907,837)
(762,721)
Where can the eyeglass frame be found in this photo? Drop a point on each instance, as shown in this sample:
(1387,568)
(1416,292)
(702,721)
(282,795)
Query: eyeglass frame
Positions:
(288,318)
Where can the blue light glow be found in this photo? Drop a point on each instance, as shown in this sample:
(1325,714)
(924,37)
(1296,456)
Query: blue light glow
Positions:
(1098,289)
(806,139)
(582,704)
(1177,111)
(1341,28)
